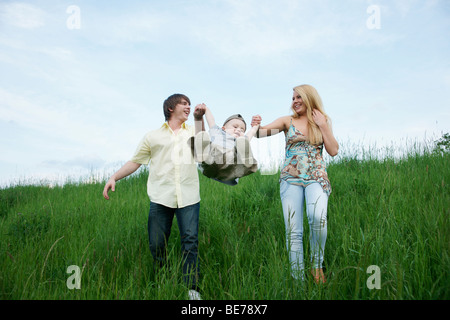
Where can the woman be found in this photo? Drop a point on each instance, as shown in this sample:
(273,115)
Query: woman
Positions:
(303,176)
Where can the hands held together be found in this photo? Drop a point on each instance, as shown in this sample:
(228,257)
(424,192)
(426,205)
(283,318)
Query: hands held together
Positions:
(199,111)
(256,120)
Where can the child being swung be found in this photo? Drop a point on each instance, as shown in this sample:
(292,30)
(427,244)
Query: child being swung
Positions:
(224,154)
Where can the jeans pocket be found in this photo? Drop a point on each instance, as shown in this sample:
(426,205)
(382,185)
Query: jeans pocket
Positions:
(284,186)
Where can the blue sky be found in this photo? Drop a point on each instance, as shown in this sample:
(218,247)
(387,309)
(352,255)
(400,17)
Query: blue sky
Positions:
(74,100)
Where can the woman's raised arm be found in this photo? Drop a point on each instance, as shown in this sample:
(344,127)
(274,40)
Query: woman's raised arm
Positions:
(277,126)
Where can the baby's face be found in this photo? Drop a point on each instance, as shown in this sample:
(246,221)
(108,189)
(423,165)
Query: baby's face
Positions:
(235,127)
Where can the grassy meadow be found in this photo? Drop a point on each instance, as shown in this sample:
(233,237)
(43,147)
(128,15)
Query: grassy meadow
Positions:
(385,212)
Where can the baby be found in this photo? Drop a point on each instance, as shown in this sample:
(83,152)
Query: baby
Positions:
(224,153)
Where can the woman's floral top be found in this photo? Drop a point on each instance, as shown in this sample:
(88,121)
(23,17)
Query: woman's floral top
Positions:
(304,163)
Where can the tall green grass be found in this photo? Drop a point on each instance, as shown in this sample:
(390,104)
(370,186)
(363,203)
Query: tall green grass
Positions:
(385,212)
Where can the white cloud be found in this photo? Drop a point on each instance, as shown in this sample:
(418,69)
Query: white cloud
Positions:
(22,111)
(49,119)
(90,161)
(115,29)
(246,30)
(22,15)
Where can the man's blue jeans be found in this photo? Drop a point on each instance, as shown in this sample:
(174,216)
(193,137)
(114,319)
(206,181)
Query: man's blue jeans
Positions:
(159,226)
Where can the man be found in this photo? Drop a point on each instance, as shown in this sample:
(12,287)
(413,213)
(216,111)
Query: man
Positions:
(172,186)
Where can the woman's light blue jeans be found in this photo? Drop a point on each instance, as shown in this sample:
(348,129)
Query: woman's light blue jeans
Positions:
(292,200)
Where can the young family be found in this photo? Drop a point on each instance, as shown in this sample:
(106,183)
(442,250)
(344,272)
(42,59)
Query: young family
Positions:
(224,154)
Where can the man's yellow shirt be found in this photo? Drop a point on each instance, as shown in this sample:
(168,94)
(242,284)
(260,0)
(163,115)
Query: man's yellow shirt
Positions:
(173,175)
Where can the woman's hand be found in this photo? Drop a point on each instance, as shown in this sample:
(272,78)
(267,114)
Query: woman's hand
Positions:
(319,118)
(329,141)
(256,120)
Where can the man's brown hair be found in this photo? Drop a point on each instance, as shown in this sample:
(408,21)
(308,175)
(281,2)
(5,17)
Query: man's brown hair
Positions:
(171,102)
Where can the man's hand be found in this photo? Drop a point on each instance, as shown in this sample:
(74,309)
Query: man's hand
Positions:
(127,169)
(111,184)
(199,111)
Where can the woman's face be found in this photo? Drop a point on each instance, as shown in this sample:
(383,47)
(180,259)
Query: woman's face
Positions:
(297,104)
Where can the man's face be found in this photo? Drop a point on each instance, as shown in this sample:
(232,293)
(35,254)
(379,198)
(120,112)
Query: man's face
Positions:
(181,111)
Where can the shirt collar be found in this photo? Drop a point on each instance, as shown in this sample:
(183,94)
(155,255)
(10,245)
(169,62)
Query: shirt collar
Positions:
(166,125)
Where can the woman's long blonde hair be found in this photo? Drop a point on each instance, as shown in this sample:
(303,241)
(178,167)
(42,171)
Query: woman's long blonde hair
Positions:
(311,100)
